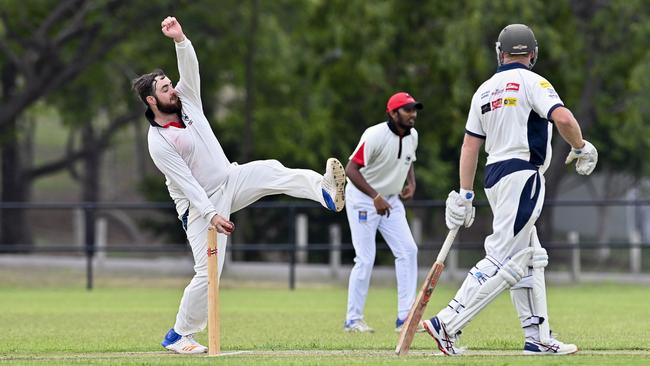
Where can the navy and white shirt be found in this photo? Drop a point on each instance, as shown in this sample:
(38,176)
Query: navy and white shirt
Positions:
(511,111)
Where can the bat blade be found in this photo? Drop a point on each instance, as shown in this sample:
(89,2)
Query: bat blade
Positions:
(417,310)
(420,304)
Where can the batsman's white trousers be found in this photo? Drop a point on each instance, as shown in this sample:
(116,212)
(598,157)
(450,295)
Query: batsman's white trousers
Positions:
(245,184)
(364,222)
(516,200)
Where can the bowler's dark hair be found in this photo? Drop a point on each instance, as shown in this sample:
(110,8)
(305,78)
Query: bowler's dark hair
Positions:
(143,84)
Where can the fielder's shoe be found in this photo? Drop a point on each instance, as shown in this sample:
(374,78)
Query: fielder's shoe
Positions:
(555,347)
(399,324)
(357,326)
(182,344)
(444,340)
(333,185)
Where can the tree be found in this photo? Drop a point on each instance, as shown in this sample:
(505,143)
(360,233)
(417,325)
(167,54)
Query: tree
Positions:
(46,46)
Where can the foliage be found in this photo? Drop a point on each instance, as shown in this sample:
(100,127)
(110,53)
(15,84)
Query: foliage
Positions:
(299,81)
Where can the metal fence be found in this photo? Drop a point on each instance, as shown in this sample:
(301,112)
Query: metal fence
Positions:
(304,234)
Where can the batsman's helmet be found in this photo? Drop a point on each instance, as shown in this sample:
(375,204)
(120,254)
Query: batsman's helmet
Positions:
(516,39)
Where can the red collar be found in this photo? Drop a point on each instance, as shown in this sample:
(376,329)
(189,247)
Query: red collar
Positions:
(173,124)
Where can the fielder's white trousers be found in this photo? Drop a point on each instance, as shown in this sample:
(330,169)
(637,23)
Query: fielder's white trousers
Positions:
(245,184)
(364,223)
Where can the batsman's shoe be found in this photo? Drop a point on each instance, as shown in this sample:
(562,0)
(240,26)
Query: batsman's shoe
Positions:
(182,344)
(553,348)
(399,324)
(333,185)
(357,326)
(445,341)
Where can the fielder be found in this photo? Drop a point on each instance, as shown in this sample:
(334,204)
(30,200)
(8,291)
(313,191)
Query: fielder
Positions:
(377,169)
(514,113)
(205,186)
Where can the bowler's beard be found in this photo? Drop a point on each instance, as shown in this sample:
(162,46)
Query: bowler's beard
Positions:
(170,108)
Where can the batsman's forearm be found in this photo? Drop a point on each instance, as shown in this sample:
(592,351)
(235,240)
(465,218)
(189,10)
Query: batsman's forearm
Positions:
(467,171)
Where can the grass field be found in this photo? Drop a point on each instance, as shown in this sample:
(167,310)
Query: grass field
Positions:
(122,324)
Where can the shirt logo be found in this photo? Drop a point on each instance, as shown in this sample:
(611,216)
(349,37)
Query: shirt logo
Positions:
(407,160)
(363,216)
(187,119)
(485,108)
(485,94)
(512,86)
(545,84)
(510,102)
(497,103)
(497,92)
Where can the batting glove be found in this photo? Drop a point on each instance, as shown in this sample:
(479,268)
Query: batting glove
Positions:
(587,157)
(459,210)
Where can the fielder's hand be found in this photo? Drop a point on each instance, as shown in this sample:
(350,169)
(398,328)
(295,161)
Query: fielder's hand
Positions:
(222,225)
(407,193)
(382,207)
(587,158)
(172,29)
(459,210)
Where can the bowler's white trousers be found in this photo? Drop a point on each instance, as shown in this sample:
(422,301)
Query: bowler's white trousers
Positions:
(364,222)
(245,184)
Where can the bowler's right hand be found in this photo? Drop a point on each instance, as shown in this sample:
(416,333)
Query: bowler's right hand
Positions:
(222,225)
(172,29)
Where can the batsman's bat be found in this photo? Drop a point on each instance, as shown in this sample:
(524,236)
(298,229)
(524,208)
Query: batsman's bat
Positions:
(421,301)
(213,294)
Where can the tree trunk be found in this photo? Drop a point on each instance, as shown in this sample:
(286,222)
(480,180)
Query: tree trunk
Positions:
(248,141)
(13,222)
(14,228)
(90,189)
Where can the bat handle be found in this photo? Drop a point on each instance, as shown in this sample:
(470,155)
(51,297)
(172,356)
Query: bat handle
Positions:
(444,250)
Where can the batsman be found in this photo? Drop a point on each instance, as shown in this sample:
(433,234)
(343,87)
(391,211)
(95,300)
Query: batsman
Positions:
(205,186)
(513,113)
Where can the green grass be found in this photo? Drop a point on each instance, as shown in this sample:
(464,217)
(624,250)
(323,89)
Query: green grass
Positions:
(62,325)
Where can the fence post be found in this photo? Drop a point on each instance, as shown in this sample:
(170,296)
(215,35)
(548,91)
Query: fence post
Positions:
(302,228)
(292,255)
(574,241)
(79,217)
(635,252)
(452,261)
(89,214)
(416,229)
(101,239)
(335,250)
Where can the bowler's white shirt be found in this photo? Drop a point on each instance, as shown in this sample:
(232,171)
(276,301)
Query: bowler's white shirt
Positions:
(191,158)
(511,111)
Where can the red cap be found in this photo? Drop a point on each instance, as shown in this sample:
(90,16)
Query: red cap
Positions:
(402,99)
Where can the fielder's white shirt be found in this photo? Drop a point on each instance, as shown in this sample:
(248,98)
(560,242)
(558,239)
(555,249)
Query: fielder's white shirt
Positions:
(191,158)
(385,157)
(511,111)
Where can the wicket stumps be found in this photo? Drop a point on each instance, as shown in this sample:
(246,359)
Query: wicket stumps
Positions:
(213,294)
